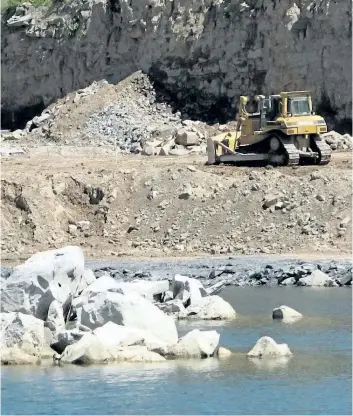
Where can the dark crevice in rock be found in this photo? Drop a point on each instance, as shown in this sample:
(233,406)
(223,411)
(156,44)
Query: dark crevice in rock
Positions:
(12,120)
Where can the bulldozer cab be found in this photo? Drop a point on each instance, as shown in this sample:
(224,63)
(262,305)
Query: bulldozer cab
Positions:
(285,104)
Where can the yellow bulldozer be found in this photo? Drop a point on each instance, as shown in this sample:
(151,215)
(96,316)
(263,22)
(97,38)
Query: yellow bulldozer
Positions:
(283,131)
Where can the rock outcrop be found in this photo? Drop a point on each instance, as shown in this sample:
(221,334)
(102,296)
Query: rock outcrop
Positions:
(24,332)
(203,54)
(266,347)
(317,278)
(197,344)
(47,276)
(129,309)
(286,313)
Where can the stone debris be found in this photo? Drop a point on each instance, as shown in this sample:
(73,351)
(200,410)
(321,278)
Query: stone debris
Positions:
(338,141)
(131,121)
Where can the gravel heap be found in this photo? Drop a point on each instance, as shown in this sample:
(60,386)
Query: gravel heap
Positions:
(338,141)
(220,273)
(135,118)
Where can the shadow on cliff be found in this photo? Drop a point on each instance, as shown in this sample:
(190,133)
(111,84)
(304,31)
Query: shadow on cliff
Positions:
(203,89)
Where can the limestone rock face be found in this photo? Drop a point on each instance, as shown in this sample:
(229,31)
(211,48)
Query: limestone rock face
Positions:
(213,54)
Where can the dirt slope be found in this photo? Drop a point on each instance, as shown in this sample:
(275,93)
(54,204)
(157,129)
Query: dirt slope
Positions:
(165,206)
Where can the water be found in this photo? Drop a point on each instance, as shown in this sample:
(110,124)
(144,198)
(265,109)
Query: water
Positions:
(316,380)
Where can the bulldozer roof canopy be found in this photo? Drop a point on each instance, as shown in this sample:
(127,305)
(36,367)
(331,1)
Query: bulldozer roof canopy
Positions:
(295,93)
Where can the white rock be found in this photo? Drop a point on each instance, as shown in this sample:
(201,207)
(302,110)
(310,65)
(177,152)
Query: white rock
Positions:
(211,307)
(89,277)
(55,320)
(288,282)
(130,310)
(223,352)
(286,313)
(168,295)
(316,278)
(146,288)
(196,343)
(187,138)
(15,356)
(183,296)
(174,306)
(113,335)
(15,135)
(267,347)
(192,286)
(43,278)
(68,261)
(138,354)
(91,349)
(65,338)
(102,284)
(23,331)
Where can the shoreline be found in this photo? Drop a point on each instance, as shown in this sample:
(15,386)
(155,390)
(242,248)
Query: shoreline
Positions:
(302,256)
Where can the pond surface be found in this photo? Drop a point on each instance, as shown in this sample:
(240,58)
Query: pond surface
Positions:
(316,380)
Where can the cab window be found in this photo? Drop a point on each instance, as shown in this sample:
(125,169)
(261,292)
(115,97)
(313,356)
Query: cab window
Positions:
(298,106)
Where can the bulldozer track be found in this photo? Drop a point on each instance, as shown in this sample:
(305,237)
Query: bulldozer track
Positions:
(292,154)
(324,152)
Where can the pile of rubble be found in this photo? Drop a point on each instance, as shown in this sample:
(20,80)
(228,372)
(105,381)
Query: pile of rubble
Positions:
(126,117)
(337,141)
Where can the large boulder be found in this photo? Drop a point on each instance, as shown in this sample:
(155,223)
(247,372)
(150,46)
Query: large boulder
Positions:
(211,308)
(112,335)
(52,264)
(15,356)
(89,349)
(88,277)
(223,352)
(102,284)
(150,290)
(144,288)
(266,347)
(316,278)
(108,343)
(22,331)
(135,354)
(65,338)
(196,343)
(43,278)
(55,320)
(286,313)
(187,289)
(173,307)
(129,309)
